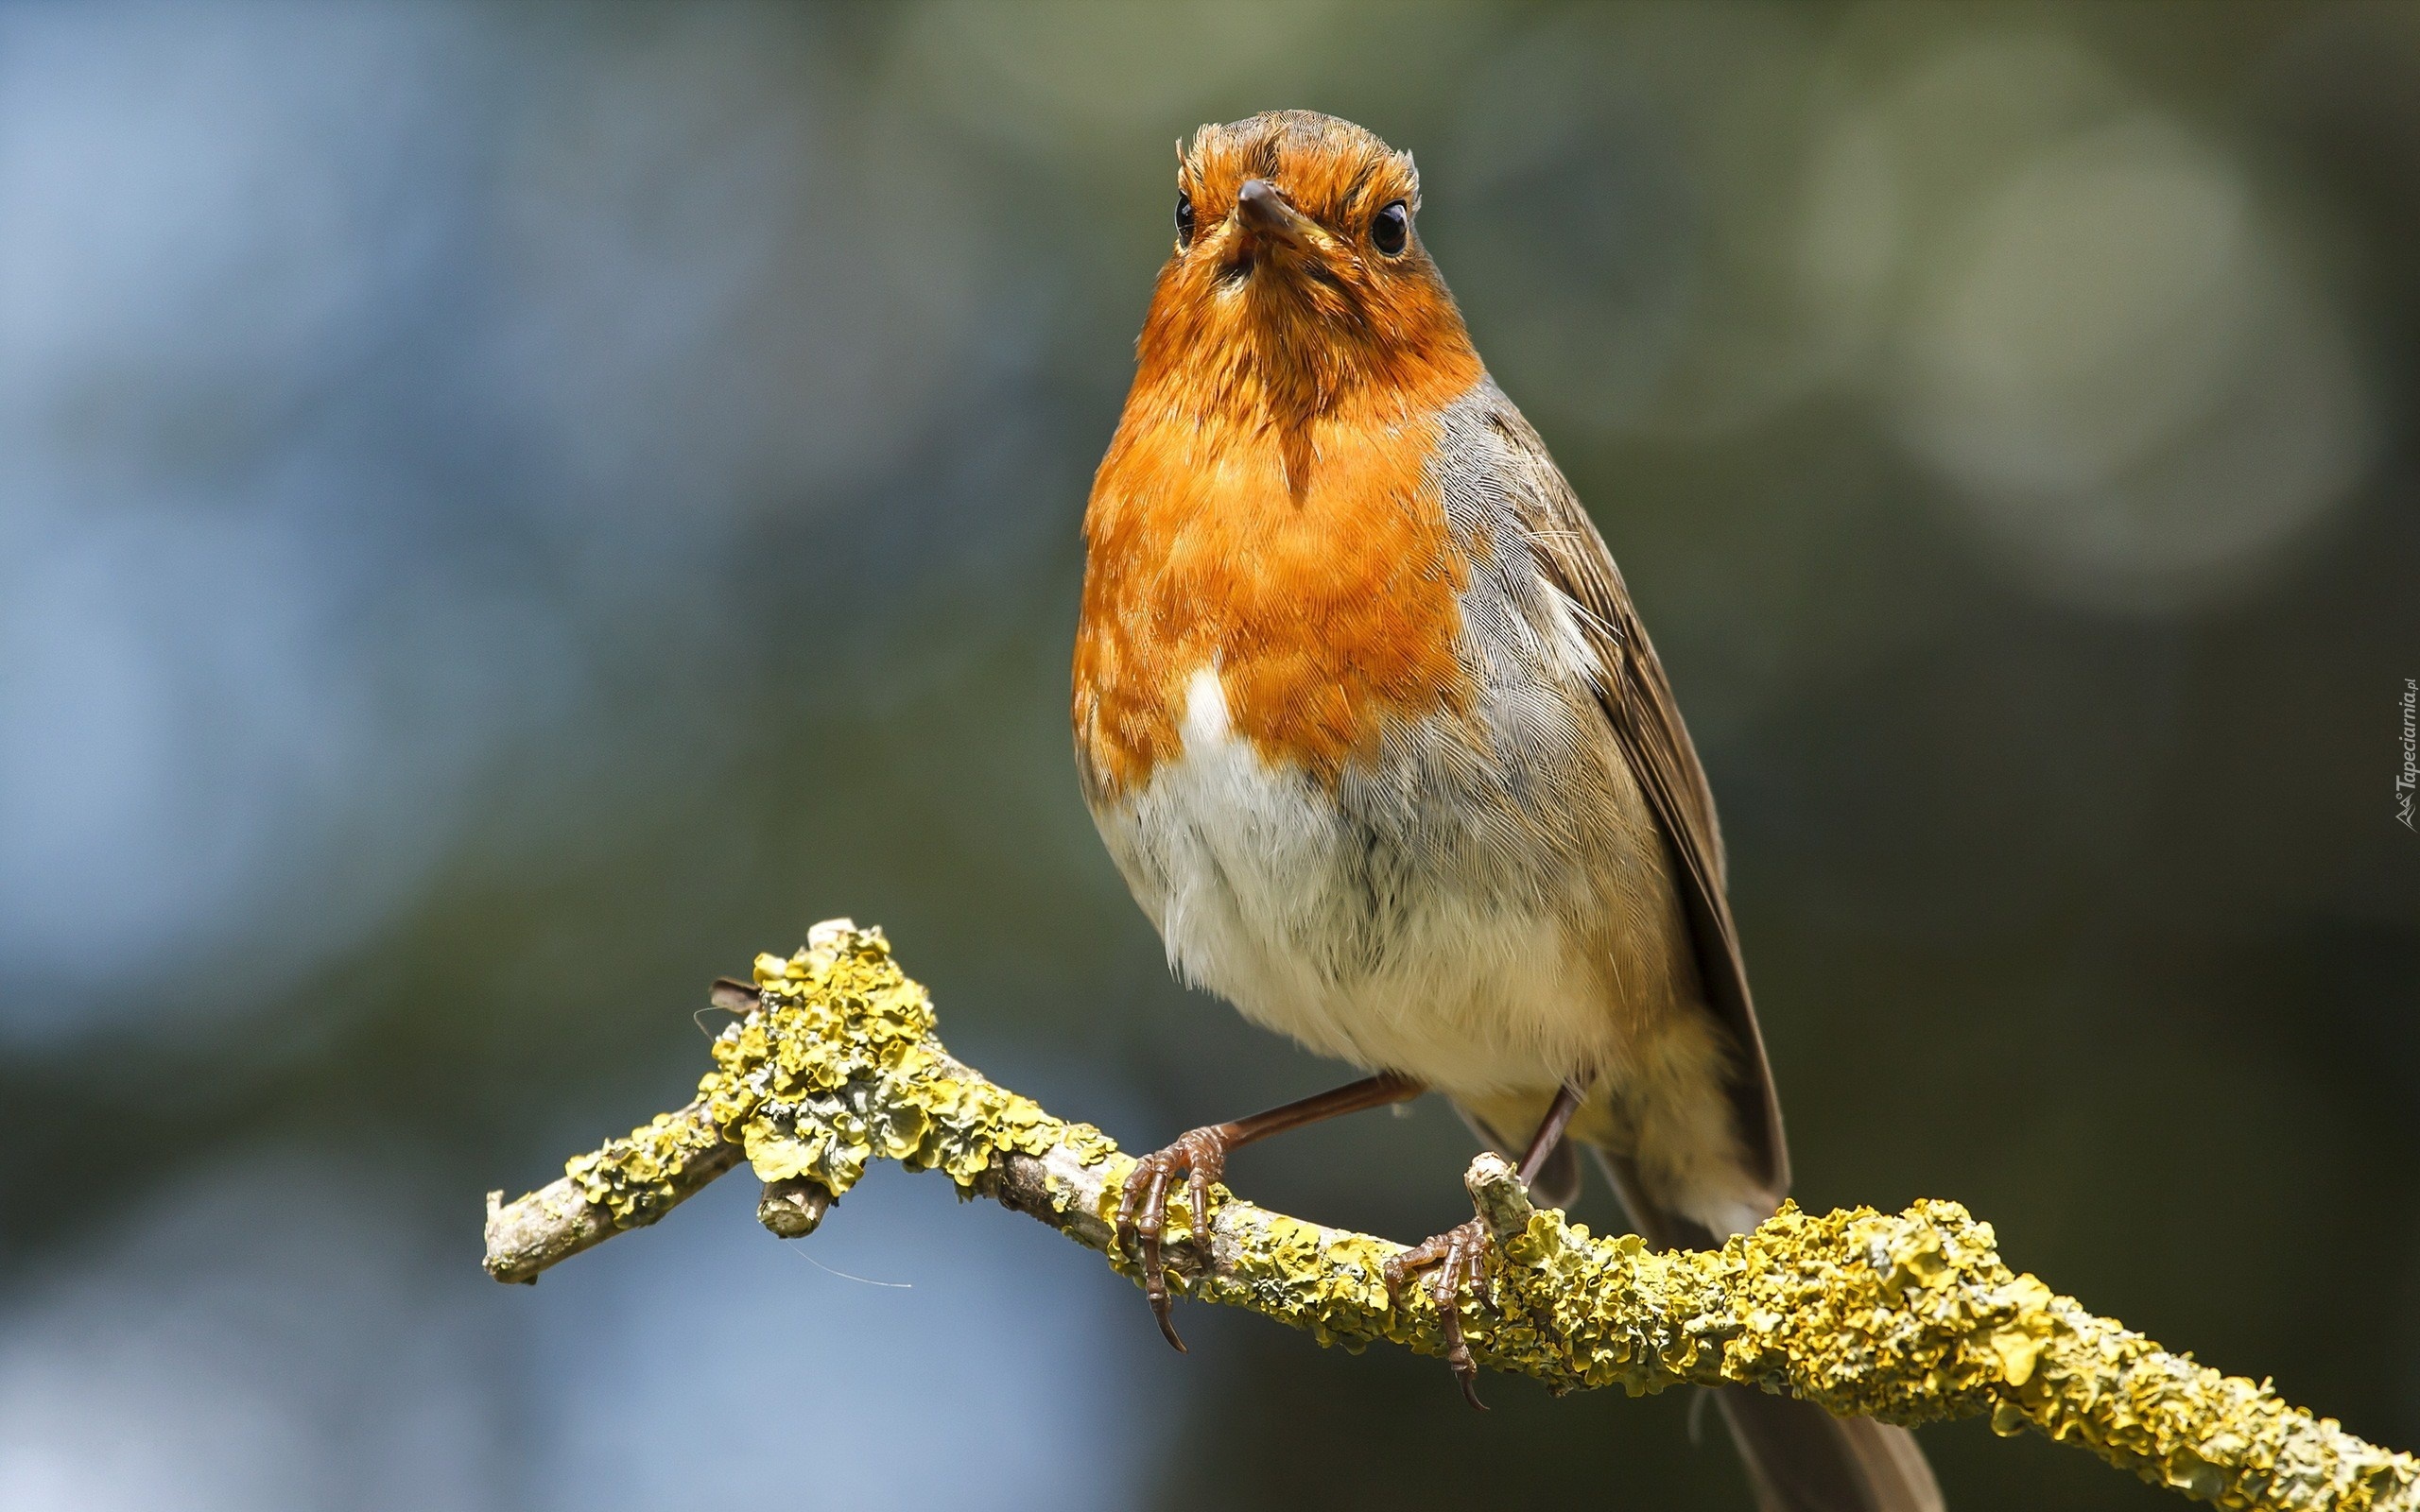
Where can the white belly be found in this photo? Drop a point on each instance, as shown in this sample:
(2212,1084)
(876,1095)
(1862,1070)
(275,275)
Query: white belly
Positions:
(1385,942)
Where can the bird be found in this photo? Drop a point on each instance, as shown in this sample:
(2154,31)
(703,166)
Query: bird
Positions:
(1367,719)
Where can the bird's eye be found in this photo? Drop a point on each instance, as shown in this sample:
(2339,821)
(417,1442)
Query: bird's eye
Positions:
(1392,232)
(1184,218)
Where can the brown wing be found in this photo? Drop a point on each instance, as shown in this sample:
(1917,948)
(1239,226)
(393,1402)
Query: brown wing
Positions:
(1637,701)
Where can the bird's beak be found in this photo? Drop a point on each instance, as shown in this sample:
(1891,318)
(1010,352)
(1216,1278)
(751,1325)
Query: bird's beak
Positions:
(1265,216)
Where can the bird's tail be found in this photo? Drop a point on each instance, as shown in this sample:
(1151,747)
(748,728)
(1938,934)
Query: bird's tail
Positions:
(1800,1458)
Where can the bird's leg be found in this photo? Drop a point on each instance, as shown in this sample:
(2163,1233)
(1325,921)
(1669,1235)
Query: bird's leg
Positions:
(1459,1254)
(1566,1102)
(1200,1156)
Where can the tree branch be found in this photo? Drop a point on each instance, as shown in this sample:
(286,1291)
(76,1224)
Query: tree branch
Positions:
(1909,1316)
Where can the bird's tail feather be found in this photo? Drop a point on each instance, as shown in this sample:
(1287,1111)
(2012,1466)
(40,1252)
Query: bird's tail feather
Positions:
(1800,1458)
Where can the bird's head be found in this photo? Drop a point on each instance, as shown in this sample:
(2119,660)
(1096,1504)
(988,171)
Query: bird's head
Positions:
(1298,283)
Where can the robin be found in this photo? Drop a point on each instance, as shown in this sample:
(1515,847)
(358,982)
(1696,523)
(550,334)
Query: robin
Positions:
(1364,712)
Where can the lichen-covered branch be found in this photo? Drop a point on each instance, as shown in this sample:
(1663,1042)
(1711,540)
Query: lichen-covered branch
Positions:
(1909,1316)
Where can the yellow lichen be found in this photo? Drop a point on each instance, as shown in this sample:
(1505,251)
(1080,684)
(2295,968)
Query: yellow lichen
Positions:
(1908,1316)
(632,1177)
(837,1067)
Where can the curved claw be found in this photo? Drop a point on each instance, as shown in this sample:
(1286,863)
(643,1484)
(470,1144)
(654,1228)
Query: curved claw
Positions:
(1143,1212)
(1455,1257)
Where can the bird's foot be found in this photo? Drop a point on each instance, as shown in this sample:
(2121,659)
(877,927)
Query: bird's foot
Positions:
(1200,1156)
(1456,1256)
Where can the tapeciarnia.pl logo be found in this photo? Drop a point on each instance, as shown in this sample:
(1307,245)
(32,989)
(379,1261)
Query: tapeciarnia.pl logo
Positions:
(2406,780)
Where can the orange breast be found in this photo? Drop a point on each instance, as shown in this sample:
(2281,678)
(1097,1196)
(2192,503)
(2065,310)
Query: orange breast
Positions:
(1315,570)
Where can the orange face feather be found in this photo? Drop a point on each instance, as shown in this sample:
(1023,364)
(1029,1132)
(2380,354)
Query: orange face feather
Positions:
(1264,508)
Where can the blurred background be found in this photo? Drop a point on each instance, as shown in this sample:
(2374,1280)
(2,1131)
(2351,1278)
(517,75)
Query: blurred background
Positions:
(508,510)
